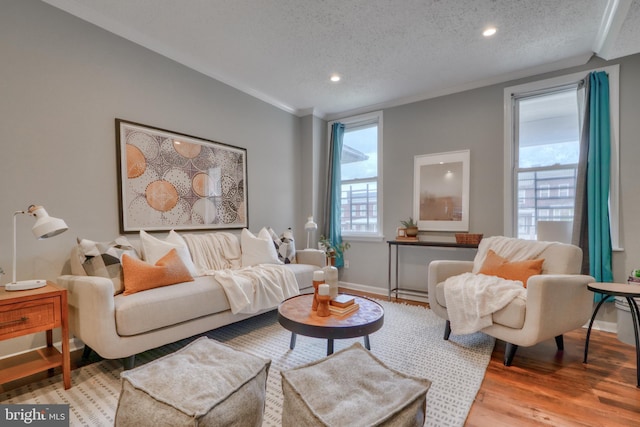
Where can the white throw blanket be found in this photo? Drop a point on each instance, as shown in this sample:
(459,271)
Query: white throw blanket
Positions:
(214,251)
(473,298)
(248,289)
(251,289)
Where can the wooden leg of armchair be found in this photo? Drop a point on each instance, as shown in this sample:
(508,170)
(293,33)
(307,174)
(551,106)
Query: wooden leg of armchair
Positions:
(509,353)
(447,330)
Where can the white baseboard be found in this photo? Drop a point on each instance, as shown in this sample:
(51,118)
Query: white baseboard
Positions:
(381,291)
(603,326)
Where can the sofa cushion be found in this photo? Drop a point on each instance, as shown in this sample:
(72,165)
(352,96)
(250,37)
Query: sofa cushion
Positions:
(103,259)
(258,249)
(166,306)
(495,265)
(140,276)
(153,249)
(512,315)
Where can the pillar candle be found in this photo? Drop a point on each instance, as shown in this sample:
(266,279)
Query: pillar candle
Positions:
(323,289)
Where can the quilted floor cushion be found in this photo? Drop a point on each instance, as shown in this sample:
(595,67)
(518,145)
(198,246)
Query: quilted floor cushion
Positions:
(204,384)
(352,388)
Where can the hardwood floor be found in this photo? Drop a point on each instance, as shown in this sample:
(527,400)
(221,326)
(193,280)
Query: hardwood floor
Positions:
(547,387)
(543,386)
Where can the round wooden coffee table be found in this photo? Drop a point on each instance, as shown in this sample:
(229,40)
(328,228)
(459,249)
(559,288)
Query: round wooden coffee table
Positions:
(295,315)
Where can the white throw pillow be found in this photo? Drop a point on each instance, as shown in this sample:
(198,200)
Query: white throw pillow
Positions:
(258,250)
(153,249)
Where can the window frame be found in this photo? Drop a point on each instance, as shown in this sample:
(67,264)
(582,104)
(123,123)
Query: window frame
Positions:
(510,152)
(356,121)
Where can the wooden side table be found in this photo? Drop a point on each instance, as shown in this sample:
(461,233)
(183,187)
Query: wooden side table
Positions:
(630,292)
(28,312)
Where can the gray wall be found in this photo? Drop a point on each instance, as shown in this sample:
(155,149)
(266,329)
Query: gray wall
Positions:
(474,120)
(62,84)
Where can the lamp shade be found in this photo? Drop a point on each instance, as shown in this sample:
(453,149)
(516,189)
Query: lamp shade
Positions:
(46,226)
(310,225)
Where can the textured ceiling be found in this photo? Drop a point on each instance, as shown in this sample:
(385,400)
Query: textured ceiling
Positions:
(389,52)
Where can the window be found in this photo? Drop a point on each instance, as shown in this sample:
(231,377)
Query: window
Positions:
(547,147)
(542,144)
(361,197)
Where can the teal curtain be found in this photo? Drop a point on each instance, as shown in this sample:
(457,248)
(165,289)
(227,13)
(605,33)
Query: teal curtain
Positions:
(598,176)
(334,187)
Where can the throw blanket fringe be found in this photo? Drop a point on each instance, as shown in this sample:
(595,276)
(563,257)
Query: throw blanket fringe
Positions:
(473,298)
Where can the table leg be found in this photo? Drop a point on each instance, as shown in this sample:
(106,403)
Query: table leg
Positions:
(593,317)
(367,344)
(397,267)
(292,344)
(389,273)
(635,316)
(329,346)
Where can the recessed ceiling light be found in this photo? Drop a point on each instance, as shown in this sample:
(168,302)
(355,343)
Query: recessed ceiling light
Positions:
(489,31)
(335,78)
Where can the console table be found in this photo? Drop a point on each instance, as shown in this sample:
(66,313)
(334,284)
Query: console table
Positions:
(419,244)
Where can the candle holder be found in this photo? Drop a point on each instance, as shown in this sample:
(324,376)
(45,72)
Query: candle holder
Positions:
(323,305)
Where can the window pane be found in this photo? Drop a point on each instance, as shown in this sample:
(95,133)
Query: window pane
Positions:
(544,196)
(359,168)
(360,153)
(359,207)
(548,129)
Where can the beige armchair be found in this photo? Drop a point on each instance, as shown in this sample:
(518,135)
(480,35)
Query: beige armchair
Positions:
(555,302)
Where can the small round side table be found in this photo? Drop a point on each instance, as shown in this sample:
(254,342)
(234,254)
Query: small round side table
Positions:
(630,292)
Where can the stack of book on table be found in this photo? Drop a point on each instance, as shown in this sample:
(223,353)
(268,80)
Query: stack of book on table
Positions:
(342,305)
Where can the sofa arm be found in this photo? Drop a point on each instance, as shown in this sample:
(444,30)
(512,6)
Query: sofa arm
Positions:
(91,310)
(311,256)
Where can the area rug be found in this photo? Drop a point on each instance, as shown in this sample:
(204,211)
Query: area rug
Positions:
(410,341)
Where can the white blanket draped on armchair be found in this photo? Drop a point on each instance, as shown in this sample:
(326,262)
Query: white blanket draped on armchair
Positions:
(248,289)
(473,298)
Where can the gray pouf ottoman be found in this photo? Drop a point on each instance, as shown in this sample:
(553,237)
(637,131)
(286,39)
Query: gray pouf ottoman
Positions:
(205,383)
(352,388)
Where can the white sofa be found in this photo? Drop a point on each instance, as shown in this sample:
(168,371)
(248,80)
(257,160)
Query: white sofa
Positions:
(119,326)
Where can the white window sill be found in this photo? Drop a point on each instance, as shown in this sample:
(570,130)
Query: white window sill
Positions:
(363,237)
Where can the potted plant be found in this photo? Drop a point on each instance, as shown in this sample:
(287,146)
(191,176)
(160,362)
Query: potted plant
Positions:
(411,226)
(331,250)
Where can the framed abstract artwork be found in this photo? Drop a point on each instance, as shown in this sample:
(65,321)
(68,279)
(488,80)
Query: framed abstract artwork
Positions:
(171,181)
(441,191)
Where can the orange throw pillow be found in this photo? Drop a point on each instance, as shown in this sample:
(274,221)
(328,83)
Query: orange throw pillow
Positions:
(495,265)
(140,276)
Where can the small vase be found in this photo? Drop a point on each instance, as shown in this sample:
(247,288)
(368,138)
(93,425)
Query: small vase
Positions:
(331,278)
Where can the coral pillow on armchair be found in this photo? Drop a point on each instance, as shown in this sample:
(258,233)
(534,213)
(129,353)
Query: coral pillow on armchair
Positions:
(140,276)
(495,265)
